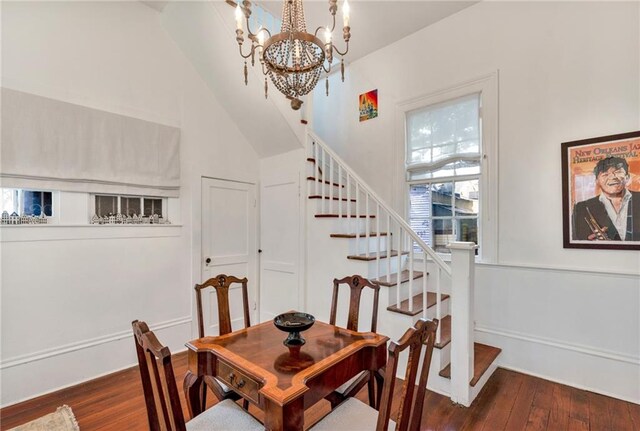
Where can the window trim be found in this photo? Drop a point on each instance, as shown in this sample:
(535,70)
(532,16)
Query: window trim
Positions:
(487,86)
(92,203)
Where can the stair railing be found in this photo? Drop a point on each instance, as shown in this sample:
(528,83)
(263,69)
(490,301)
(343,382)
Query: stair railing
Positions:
(408,241)
(332,174)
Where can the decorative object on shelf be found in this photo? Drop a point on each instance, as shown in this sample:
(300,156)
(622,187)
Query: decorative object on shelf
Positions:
(121,219)
(294,324)
(601,192)
(15,219)
(368,103)
(293,59)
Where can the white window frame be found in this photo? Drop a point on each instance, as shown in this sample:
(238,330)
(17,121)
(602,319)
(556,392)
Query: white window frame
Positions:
(487,87)
(92,203)
(55,203)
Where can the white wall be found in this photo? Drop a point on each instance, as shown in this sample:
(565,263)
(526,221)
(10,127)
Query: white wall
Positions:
(70,293)
(567,71)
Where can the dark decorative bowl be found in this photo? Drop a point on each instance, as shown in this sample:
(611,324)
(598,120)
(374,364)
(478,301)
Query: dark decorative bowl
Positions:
(294,324)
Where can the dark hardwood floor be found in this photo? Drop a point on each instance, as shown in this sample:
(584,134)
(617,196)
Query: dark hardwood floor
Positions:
(509,401)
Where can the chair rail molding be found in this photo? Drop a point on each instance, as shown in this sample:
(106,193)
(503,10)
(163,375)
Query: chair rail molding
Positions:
(84,344)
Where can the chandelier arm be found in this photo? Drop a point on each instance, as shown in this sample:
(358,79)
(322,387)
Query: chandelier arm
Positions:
(248,55)
(342,54)
(326,69)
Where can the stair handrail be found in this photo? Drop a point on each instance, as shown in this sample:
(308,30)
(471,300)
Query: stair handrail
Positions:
(392,213)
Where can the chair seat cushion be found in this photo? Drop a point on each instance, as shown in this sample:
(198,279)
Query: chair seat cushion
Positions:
(226,415)
(351,415)
(342,389)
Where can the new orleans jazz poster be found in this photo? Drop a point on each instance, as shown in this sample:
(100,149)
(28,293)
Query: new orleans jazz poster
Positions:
(601,192)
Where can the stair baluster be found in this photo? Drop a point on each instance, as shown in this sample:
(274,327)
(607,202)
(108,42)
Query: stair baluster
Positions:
(410,243)
(331,180)
(379,240)
(366,222)
(340,191)
(389,247)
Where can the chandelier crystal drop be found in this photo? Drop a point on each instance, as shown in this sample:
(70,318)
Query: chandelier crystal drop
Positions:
(292,59)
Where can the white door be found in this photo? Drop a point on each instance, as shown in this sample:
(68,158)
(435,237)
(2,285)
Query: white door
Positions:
(280,259)
(229,237)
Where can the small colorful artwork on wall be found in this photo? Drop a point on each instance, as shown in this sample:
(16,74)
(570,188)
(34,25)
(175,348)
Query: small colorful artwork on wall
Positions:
(368,105)
(601,192)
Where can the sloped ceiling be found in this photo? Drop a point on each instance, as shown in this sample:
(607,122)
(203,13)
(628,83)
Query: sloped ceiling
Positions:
(204,30)
(208,41)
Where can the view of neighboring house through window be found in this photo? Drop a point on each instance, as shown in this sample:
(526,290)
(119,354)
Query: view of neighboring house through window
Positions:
(106,205)
(27,202)
(443,171)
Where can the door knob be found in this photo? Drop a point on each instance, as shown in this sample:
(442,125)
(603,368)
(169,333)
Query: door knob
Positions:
(207,260)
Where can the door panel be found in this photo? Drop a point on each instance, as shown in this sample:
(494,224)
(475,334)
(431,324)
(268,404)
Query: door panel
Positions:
(280,244)
(229,241)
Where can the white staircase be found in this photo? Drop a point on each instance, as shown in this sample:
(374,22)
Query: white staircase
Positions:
(350,230)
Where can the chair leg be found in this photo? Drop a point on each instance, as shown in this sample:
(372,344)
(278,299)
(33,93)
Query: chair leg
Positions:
(203,396)
(372,394)
(245,404)
(379,383)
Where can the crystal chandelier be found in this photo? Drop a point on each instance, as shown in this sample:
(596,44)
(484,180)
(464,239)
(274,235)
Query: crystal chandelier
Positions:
(293,59)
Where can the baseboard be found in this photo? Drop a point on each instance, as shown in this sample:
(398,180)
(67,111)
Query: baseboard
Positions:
(587,350)
(80,382)
(593,370)
(571,384)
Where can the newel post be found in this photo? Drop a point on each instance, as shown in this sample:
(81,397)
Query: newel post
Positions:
(462,320)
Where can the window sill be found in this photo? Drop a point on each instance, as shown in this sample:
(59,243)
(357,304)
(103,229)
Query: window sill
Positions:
(58,232)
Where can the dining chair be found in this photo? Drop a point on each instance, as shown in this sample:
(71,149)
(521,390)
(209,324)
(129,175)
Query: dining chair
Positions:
(221,283)
(164,410)
(356,284)
(417,338)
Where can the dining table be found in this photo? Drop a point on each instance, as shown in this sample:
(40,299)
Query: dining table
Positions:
(280,380)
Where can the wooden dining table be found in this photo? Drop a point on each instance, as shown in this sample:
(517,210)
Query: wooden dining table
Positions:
(282,382)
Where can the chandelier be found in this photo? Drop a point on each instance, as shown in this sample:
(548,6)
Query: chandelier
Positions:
(293,59)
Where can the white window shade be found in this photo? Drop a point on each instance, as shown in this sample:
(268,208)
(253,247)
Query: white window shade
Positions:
(444,137)
(50,144)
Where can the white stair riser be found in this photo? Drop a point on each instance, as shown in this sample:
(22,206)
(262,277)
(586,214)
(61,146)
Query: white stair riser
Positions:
(362,245)
(344,224)
(329,206)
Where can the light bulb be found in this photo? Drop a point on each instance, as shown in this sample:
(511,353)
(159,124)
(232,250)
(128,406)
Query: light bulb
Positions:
(260,40)
(238,17)
(327,36)
(345,13)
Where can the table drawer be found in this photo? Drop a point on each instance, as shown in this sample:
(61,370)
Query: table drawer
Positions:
(240,382)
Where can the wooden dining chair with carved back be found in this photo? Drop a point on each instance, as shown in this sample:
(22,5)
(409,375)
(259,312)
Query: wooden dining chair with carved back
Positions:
(221,283)
(164,410)
(356,283)
(416,339)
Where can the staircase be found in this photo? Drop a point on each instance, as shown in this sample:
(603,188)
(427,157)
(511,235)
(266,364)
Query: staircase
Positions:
(352,231)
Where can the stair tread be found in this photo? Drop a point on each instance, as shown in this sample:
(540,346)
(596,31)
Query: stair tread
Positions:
(344,216)
(392,280)
(372,256)
(445,332)
(353,235)
(483,357)
(325,181)
(327,197)
(417,304)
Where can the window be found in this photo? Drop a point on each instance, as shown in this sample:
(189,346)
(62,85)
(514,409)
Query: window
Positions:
(106,205)
(443,167)
(27,202)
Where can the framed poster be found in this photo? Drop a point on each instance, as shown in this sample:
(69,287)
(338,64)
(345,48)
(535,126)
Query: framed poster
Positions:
(368,104)
(601,192)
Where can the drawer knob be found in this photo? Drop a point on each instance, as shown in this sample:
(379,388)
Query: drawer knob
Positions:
(241,383)
(231,377)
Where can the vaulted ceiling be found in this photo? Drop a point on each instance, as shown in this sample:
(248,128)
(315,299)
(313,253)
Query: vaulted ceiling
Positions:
(204,31)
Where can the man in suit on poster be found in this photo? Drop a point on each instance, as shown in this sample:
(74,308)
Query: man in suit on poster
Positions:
(613,215)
